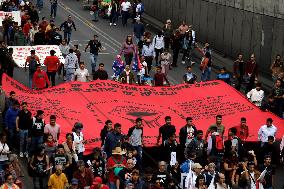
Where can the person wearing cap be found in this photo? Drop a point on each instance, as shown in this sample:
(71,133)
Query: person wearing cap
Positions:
(74,184)
(40,79)
(84,175)
(78,138)
(37,131)
(67,28)
(115,163)
(98,184)
(58,180)
(95,47)
(52,63)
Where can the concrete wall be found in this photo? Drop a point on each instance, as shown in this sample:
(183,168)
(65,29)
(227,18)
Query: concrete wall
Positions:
(230,26)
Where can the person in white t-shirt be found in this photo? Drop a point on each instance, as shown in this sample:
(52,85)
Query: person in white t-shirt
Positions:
(125,7)
(4,149)
(142,73)
(53,128)
(78,139)
(159,45)
(81,74)
(256,95)
(266,130)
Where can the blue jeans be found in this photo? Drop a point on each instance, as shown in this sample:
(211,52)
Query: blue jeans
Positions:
(67,36)
(39,4)
(113,17)
(31,79)
(205,75)
(35,142)
(111,185)
(94,59)
(70,74)
(12,137)
(24,140)
(96,15)
(53,9)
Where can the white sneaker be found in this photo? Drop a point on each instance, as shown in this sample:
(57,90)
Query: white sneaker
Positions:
(183,62)
(110,24)
(21,154)
(192,62)
(114,24)
(27,154)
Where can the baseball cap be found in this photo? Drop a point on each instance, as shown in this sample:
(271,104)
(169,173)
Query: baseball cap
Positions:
(74,181)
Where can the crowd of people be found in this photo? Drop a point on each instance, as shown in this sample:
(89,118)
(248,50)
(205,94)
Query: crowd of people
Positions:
(187,158)
(196,160)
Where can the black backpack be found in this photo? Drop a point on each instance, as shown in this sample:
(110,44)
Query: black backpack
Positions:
(32,65)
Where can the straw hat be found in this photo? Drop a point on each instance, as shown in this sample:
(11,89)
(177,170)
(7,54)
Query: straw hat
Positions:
(118,151)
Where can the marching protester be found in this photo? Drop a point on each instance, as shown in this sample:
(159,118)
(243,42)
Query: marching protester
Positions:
(203,157)
(81,74)
(71,64)
(67,28)
(52,63)
(40,79)
(95,48)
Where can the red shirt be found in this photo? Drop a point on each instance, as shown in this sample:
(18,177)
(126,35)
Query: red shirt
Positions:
(26,29)
(159,79)
(40,80)
(87,180)
(111,163)
(52,63)
(242,132)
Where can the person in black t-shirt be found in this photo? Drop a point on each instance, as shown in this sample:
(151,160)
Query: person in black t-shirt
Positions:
(23,125)
(166,130)
(268,181)
(100,74)
(37,131)
(95,47)
(162,175)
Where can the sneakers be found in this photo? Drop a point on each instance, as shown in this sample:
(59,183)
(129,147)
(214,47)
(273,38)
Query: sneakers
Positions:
(183,62)
(192,63)
(114,24)
(26,154)
(110,24)
(21,154)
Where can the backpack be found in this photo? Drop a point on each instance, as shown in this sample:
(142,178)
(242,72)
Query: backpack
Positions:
(218,143)
(32,65)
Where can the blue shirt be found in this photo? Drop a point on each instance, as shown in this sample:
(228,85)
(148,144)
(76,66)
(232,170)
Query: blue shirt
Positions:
(10,118)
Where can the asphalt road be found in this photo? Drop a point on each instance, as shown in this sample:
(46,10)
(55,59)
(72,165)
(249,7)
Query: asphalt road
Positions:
(111,38)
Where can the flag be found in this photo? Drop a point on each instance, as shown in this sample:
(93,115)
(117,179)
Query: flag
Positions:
(137,66)
(118,66)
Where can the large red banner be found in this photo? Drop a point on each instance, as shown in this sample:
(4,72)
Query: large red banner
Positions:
(95,102)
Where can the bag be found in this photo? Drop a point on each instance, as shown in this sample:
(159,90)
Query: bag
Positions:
(219,145)
(32,65)
(116,170)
